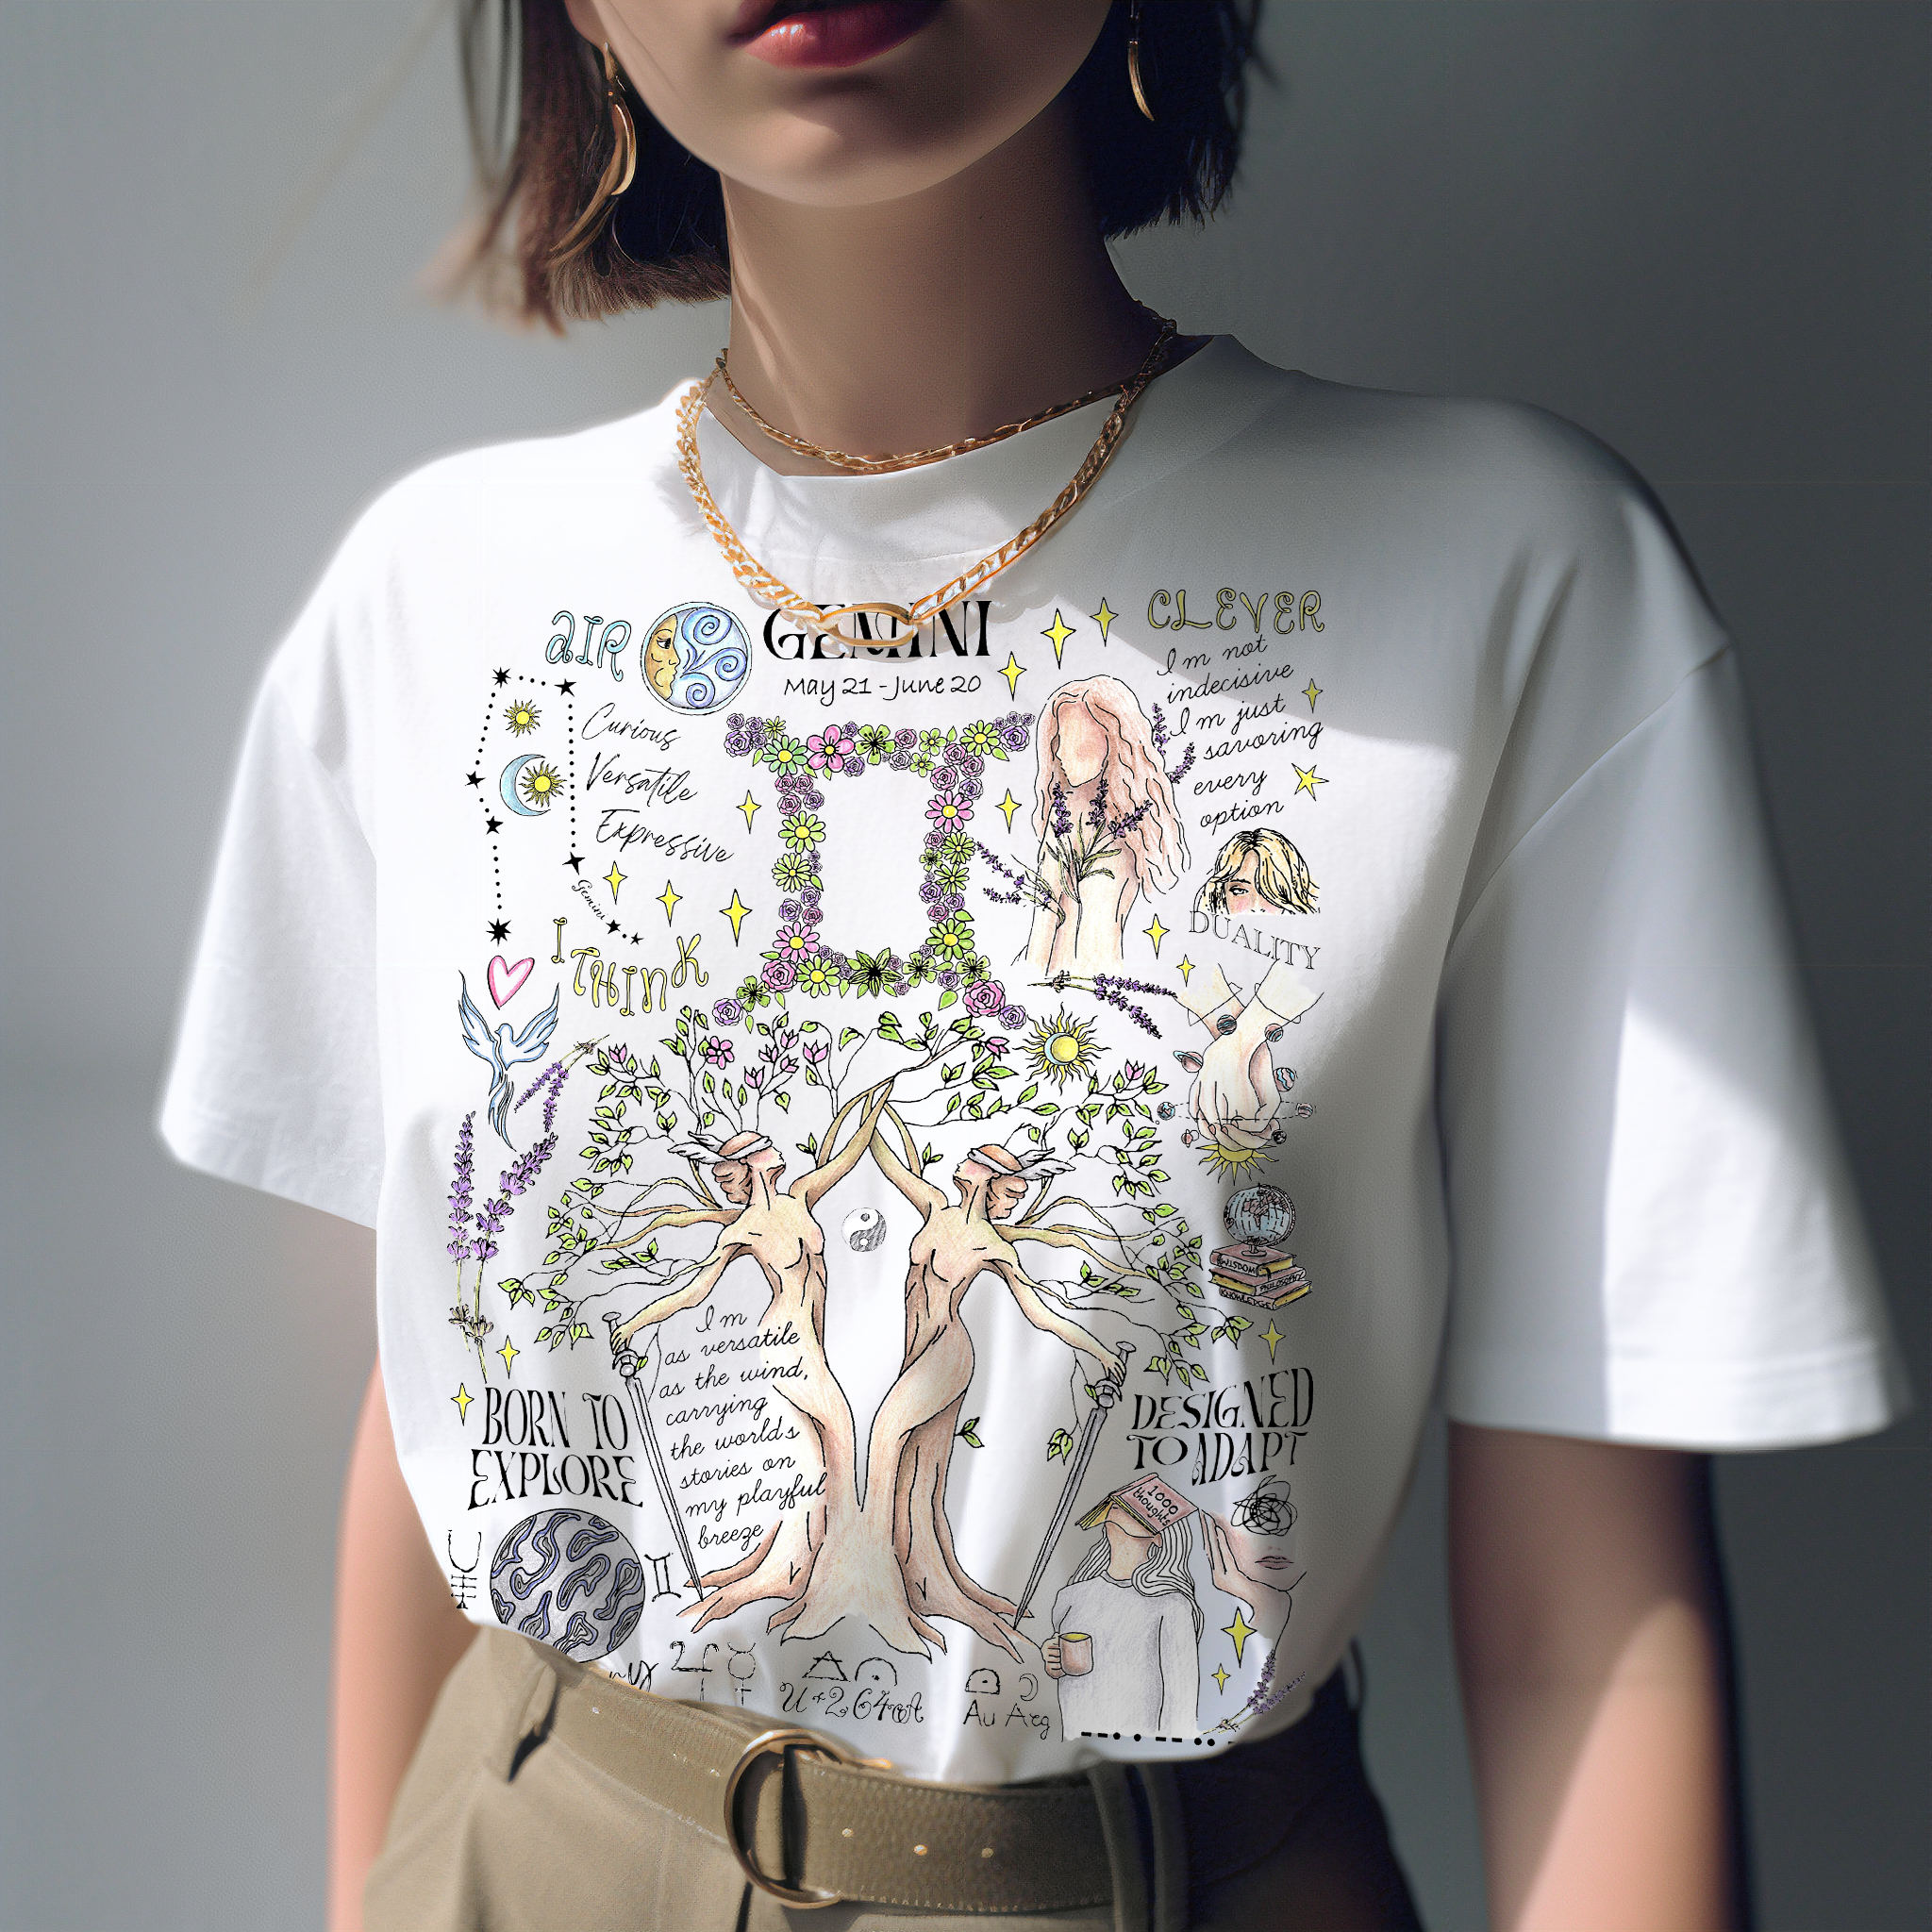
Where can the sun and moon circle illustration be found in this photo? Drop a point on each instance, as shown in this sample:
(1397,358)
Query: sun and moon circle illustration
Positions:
(1062,1048)
(530,785)
(696,657)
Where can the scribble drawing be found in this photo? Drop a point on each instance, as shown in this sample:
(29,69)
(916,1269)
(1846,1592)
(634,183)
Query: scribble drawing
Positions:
(1266,1509)
(1108,827)
(504,1047)
(775,1226)
(1125,1649)
(1258,872)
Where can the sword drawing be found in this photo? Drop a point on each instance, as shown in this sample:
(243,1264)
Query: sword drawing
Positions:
(630,1367)
(1106,1394)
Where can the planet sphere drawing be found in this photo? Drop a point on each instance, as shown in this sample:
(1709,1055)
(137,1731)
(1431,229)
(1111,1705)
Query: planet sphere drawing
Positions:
(696,657)
(570,1580)
(865,1229)
(1261,1216)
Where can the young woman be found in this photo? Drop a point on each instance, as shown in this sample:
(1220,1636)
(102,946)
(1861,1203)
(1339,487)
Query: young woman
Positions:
(720,883)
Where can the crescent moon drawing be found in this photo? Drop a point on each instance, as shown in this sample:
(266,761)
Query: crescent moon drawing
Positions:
(508,786)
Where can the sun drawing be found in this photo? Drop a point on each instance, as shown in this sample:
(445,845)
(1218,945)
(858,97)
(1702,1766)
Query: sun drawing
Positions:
(540,784)
(1062,1048)
(1229,1160)
(521,716)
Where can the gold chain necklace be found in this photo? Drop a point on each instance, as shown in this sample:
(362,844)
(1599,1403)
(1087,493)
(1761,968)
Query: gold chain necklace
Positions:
(873,465)
(765,585)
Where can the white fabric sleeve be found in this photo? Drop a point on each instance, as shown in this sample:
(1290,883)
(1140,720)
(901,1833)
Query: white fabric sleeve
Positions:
(1654,1236)
(275,1076)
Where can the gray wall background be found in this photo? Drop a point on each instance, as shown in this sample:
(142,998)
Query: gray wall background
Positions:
(1700,230)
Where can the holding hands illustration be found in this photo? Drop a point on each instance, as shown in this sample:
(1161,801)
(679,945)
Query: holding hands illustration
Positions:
(1238,1089)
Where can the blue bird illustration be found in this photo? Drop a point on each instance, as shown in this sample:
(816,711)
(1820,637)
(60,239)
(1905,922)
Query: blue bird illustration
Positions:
(505,1049)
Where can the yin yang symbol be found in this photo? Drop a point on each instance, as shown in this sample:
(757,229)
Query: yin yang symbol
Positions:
(865,1229)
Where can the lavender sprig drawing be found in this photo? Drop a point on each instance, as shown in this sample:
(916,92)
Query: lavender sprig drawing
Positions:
(460,1193)
(1161,738)
(474,1229)
(470,1324)
(1111,988)
(1073,849)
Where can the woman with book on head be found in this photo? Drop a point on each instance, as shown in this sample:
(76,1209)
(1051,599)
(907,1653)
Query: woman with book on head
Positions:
(1125,1648)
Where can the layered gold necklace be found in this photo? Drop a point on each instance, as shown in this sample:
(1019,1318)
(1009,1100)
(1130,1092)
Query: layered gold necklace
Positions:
(766,586)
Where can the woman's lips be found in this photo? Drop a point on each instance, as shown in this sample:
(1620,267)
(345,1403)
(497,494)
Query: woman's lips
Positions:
(836,36)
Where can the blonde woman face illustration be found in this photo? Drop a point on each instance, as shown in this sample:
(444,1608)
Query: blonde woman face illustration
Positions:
(1243,894)
(1260,872)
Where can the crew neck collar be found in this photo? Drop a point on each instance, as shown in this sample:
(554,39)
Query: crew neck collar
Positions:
(954,510)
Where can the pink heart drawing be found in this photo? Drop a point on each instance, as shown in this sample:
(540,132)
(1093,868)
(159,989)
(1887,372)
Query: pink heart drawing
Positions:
(505,979)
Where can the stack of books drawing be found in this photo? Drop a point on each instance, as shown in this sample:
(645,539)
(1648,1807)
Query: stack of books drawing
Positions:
(1252,1271)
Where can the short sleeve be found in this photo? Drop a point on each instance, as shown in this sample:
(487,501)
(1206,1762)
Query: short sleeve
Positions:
(1654,1237)
(275,1076)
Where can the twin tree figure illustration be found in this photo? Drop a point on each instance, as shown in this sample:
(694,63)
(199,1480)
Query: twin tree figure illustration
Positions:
(869,1538)
(884,1555)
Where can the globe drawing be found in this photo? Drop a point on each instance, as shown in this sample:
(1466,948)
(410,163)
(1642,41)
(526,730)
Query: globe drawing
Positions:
(1262,1216)
(865,1229)
(570,1580)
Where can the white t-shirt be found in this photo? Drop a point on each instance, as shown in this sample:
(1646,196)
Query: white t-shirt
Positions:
(1416,998)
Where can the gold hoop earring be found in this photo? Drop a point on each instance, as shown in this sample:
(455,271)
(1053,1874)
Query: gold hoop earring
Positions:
(1134,60)
(619,171)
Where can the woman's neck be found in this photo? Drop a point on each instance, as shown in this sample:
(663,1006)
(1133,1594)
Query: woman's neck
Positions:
(911,324)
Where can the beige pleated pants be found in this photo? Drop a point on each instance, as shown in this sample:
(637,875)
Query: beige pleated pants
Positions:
(496,1833)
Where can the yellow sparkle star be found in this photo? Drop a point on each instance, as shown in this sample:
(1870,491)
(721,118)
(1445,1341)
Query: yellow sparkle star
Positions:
(1313,692)
(1187,968)
(509,1351)
(1273,1337)
(1156,932)
(1009,805)
(1058,632)
(614,878)
(1103,617)
(751,807)
(1306,781)
(1012,671)
(668,899)
(1219,1675)
(1241,1630)
(462,1399)
(735,912)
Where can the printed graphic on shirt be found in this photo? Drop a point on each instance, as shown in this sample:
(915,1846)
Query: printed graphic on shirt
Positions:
(795,1109)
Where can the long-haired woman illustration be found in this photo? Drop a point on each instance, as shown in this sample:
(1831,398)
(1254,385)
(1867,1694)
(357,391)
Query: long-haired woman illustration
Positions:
(1109,832)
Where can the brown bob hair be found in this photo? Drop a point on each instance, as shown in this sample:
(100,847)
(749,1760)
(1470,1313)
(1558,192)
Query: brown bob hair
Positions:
(665,241)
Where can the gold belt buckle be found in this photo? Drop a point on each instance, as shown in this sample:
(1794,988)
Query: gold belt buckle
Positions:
(778,1741)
